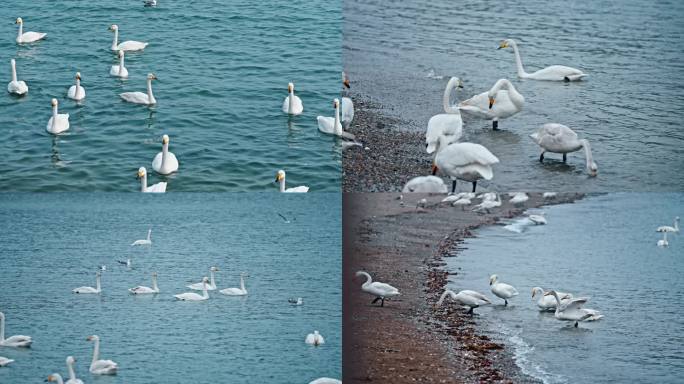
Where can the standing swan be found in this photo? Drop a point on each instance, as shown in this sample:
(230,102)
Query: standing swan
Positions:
(466,161)
(502,290)
(314,339)
(28,37)
(377,289)
(165,162)
(95,290)
(100,367)
(59,122)
(129,45)
(119,70)
(147,241)
(332,125)
(292,104)
(466,298)
(280,178)
(572,310)
(242,291)
(558,138)
(76,92)
(552,73)
(17,341)
(192,296)
(500,102)
(72,375)
(160,187)
(15,86)
(212,283)
(141,290)
(448,124)
(140,97)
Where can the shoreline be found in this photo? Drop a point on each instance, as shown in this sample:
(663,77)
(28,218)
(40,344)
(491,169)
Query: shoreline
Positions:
(409,340)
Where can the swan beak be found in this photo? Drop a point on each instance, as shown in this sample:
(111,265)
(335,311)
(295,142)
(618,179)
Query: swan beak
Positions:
(278,178)
(491,102)
(346,83)
(503,44)
(434,169)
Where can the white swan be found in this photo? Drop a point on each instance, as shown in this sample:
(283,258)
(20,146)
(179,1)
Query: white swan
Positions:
(17,341)
(5,361)
(15,86)
(129,45)
(165,162)
(325,380)
(84,289)
(500,102)
(332,125)
(72,375)
(160,187)
(573,311)
(147,241)
(59,122)
(150,3)
(192,296)
(519,198)
(537,219)
(502,290)
(101,367)
(377,289)
(448,124)
(425,184)
(553,73)
(548,303)
(142,290)
(466,298)
(465,161)
(280,178)
(28,37)
(347,112)
(558,138)
(667,228)
(237,291)
(550,195)
(56,377)
(211,286)
(297,301)
(314,339)
(488,204)
(663,242)
(140,97)
(292,104)
(77,92)
(119,70)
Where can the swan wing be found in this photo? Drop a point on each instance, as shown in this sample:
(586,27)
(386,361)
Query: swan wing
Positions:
(114,71)
(189,296)
(558,73)
(135,97)
(17,87)
(476,295)
(449,125)
(425,184)
(131,45)
(157,161)
(347,110)
(233,292)
(384,289)
(479,102)
(299,189)
(461,154)
(326,124)
(29,37)
(157,188)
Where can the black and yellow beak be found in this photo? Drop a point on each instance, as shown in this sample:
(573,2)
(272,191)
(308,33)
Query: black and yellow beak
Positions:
(491,102)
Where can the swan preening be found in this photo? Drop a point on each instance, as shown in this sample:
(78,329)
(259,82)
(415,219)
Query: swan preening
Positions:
(192,296)
(502,290)
(448,125)
(147,241)
(553,73)
(332,125)
(27,37)
(558,138)
(572,309)
(17,341)
(292,104)
(76,91)
(500,102)
(165,162)
(548,303)
(129,45)
(140,97)
(381,291)
(667,228)
(465,161)
(119,70)
(242,291)
(100,367)
(211,286)
(280,179)
(425,184)
(59,122)
(15,86)
(5,361)
(154,188)
(142,290)
(466,298)
(72,375)
(95,290)
(314,339)
(663,242)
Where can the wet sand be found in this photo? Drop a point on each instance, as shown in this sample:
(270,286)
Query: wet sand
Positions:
(409,340)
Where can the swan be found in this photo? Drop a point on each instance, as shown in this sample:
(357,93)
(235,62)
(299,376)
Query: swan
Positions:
(56,377)
(15,86)
(280,178)
(537,219)
(663,242)
(448,124)
(154,188)
(314,339)
(347,112)
(466,298)
(377,289)
(237,291)
(100,367)
(519,198)
(292,104)
(332,125)
(126,262)
(129,45)
(77,92)
(548,303)
(140,97)
(466,161)
(84,289)
(141,290)
(192,296)
(500,102)
(5,361)
(212,285)
(72,375)
(17,341)
(558,138)
(502,290)
(462,202)
(550,195)
(425,184)
(667,228)
(488,196)
(150,3)
(325,380)
(119,70)
(59,122)
(488,204)
(165,162)
(553,73)
(297,301)
(28,37)
(147,241)
(572,310)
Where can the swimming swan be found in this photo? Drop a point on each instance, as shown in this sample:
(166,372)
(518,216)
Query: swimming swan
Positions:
(142,290)
(448,124)
(548,303)
(5,361)
(192,296)
(553,73)
(502,290)
(332,125)
(147,241)
(165,162)
(77,92)
(129,45)
(500,102)
(558,138)
(100,367)
(280,178)
(140,97)
(237,291)
(377,289)
(212,285)
(465,161)
(85,289)
(18,341)
(15,86)
(573,311)
(119,70)
(667,228)
(466,298)
(160,187)
(59,122)
(292,104)
(28,37)
(72,375)
(314,339)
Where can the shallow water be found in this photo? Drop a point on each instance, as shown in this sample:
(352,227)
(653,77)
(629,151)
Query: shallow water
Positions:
(223,69)
(603,247)
(53,243)
(630,109)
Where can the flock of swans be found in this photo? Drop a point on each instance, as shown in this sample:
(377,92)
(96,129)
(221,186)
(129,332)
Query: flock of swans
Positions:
(471,162)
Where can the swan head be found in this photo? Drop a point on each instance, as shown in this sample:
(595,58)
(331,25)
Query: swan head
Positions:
(280,176)
(19,21)
(290,87)
(457,82)
(536,290)
(54,102)
(244,274)
(214,269)
(70,360)
(592,168)
(113,27)
(151,76)
(205,279)
(345,80)
(154,274)
(54,377)
(93,338)
(165,139)
(493,279)
(336,103)
(141,172)
(505,43)
(78,75)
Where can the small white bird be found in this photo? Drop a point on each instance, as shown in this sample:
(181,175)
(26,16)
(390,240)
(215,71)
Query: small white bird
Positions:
(76,91)
(142,290)
(119,70)
(96,290)
(425,184)
(150,3)
(292,104)
(28,37)
(314,339)
(487,205)
(466,298)
(59,122)
(15,86)
(147,241)
(165,162)
(295,301)
(667,228)
(5,361)
(126,262)
(573,311)
(72,375)
(502,290)
(663,242)
(280,178)
(154,188)
(130,45)
(381,291)
(487,196)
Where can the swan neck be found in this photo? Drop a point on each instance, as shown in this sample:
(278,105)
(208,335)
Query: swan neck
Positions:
(54,117)
(78,87)
(441,298)
(96,351)
(143,183)
(72,374)
(282,184)
(211,279)
(149,234)
(149,91)
(21,30)
(587,152)
(369,279)
(165,155)
(518,60)
(446,99)
(154,283)
(290,102)
(242,283)
(2,327)
(121,64)
(337,127)
(115,42)
(97,283)
(205,294)
(14,71)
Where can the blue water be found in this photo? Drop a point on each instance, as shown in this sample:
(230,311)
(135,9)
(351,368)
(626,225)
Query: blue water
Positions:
(603,247)
(52,243)
(223,69)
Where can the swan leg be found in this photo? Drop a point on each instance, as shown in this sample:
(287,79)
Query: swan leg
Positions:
(576,324)
(565,157)
(382,302)
(453,186)
(470,312)
(376,300)
(541,157)
(495,125)
(474,185)
(505,303)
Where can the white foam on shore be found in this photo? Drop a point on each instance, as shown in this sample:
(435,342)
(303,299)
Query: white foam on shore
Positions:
(521,356)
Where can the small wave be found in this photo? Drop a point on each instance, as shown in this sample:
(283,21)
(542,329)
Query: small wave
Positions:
(521,352)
